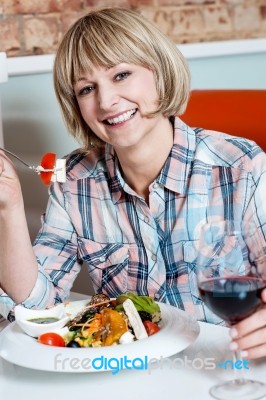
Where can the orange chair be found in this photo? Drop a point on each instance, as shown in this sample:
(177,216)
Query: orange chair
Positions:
(234,111)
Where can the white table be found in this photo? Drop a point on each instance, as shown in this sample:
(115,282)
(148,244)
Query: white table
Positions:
(180,383)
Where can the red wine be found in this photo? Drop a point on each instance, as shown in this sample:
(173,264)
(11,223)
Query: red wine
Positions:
(234,298)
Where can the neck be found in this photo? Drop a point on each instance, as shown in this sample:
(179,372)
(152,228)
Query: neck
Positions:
(142,164)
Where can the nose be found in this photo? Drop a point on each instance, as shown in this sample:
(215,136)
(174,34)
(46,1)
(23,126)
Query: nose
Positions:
(107,97)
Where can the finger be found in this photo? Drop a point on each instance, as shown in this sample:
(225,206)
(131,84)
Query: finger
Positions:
(254,339)
(2,168)
(6,165)
(263,295)
(250,324)
(255,352)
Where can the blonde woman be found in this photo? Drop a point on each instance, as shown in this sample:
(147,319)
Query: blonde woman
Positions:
(140,184)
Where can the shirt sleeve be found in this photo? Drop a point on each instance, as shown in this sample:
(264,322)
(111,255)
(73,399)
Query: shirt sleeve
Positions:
(56,252)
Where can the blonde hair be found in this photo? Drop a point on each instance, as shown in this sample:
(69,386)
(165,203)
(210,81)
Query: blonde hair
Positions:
(109,37)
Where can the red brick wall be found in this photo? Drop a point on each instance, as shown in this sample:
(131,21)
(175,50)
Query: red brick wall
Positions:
(35,26)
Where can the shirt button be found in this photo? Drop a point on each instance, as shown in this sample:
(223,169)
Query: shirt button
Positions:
(146,219)
(155,185)
(102,259)
(154,257)
(157,296)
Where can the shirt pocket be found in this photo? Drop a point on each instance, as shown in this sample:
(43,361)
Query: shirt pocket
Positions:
(107,264)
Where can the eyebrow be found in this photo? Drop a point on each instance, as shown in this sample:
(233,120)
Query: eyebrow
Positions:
(80,79)
(83,78)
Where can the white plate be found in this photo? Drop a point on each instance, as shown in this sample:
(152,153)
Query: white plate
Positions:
(178,331)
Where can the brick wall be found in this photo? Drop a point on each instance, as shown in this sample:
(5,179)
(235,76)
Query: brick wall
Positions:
(30,27)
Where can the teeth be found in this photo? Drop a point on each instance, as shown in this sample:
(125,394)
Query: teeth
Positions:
(122,117)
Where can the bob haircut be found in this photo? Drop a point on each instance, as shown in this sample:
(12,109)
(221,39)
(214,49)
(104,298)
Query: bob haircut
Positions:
(109,37)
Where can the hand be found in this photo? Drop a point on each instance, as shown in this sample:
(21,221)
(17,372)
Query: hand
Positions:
(249,335)
(10,190)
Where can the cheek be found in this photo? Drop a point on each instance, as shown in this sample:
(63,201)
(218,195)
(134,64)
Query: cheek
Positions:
(149,90)
(87,112)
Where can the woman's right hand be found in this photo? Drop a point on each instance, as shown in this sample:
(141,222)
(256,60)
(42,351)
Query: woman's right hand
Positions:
(10,189)
(18,266)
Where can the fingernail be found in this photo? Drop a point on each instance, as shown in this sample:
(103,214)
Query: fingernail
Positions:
(244,353)
(233,333)
(233,346)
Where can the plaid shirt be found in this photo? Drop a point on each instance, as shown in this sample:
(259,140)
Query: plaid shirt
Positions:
(96,218)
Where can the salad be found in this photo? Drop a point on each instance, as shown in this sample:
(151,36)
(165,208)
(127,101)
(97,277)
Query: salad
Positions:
(107,322)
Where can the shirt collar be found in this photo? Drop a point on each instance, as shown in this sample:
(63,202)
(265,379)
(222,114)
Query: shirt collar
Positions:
(115,184)
(175,172)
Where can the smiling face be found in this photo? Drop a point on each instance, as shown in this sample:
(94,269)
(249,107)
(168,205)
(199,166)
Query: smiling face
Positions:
(114,103)
(109,37)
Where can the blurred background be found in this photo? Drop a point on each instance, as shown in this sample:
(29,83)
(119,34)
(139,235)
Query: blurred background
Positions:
(224,42)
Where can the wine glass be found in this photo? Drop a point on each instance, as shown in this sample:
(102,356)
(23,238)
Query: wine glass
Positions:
(231,272)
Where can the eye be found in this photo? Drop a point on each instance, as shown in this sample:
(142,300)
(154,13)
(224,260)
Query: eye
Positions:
(122,75)
(85,90)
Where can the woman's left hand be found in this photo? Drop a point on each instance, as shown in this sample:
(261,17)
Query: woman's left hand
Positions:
(249,335)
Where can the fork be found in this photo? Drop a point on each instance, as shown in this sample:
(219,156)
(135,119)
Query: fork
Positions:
(32,167)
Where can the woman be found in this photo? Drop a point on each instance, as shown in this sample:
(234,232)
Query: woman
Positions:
(141,184)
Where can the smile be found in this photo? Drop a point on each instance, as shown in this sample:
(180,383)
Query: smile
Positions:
(122,118)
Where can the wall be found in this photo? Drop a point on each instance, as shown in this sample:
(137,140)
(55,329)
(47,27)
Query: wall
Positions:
(35,27)
(232,71)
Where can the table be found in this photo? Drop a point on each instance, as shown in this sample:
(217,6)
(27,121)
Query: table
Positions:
(172,381)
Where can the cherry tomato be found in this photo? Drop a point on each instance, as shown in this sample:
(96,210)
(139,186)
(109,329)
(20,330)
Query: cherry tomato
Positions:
(150,327)
(47,162)
(51,339)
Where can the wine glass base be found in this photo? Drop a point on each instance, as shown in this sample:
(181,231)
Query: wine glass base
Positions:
(243,389)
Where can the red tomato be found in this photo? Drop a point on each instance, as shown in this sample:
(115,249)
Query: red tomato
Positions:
(51,339)
(47,162)
(151,328)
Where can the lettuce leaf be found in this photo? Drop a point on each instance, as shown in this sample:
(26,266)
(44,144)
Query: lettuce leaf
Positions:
(142,303)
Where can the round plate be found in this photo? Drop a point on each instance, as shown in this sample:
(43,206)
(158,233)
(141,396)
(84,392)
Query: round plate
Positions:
(178,331)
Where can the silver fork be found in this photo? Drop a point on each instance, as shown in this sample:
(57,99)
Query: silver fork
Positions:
(32,167)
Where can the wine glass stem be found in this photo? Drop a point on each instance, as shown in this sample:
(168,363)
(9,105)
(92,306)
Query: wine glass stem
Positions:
(239,367)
